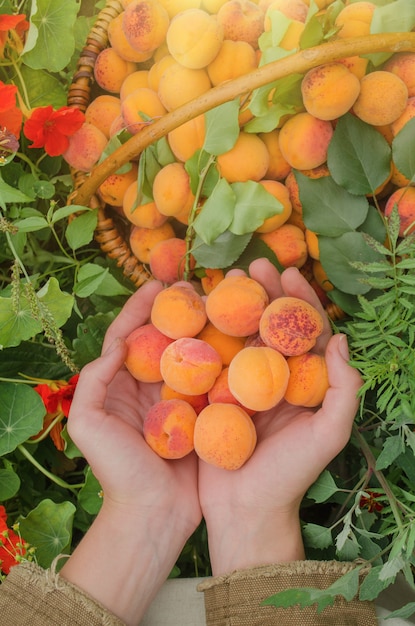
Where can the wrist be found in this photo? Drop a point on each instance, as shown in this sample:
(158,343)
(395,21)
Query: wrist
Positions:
(250,541)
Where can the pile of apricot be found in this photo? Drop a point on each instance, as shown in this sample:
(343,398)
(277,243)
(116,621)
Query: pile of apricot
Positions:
(221,359)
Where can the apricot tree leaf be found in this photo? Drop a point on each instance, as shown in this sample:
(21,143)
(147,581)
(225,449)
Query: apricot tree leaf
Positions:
(21,415)
(217,213)
(254,204)
(358,156)
(403,154)
(222,252)
(222,127)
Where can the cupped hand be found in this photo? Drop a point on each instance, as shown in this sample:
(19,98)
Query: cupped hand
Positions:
(106,423)
(260,501)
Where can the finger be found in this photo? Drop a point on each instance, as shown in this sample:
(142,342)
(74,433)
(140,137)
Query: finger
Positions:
(134,313)
(267,274)
(334,421)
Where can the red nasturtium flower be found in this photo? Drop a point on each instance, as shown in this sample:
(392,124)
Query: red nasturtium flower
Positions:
(17,23)
(10,116)
(50,129)
(12,546)
(57,397)
(370,501)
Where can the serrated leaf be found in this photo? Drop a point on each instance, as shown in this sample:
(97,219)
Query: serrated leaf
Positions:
(48,527)
(222,252)
(317,536)
(217,213)
(323,488)
(222,128)
(328,209)
(404,612)
(253,205)
(392,448)
(392,567)
(358,156)
(55,42)
(372,585)
(21,415)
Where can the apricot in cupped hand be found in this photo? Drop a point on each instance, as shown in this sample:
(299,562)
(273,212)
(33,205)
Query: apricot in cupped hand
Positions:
(179,311)
(224,436)
(145,345)
(290,325)
(308,380)
(168,428)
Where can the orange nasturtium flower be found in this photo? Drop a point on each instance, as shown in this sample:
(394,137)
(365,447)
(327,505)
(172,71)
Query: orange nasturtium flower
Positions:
(8,24)
(12,547)
(50,129)
(10,116)
(57,397)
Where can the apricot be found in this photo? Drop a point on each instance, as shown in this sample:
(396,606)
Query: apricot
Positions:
(280,192)
(145,24)
(179,311)
(226,345)
(168,428)
(404,199)
(308,381)
(258,377)
(247,160)
(304,140)
(404,117)
(224,436)
(134,81)
(290,325)
(220,392)
(329,90)
(187,138)
(194,38)
(211,277)
(236,304)
(85,148)
(143,239)
(198,402)
(171,190)
(278,168)
(140,107)
(173,7)
(354,19)
(382,99)
(293,9)
(102,111)
(120,43)
(234,59)
(144,215)
(178,85)
(168,260)
(288,244)
(110,70)
(242,20)
(145,345)
(112,190)
(311,239)
(320,276)
(190,365)
(403,65)
(157,70)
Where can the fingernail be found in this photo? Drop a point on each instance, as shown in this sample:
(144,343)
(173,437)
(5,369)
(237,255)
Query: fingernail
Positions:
(344,348)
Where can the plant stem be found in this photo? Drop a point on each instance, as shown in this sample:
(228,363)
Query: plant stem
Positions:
(297,63)
(45,472)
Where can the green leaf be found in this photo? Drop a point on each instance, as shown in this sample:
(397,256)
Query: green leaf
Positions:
(216,214)
(64,212)
(328,209)
(317,536)
(222,128)
(59,304)
(222,252)
(403,150)
(95,279)
(9,484)
(398,16)
(90,495)
(31,224)
(16,325)
(323,488)
(80,231)
(44,88)
(404,612)
(55,42)
(358,156)
(90,335)
(33,360)
(48,527)
(337,255)
(392,448)
(254,204)
(372,585)
(21,415)
(9,195)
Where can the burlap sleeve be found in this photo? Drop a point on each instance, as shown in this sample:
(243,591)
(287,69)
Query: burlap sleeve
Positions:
(32,595)
(235,599)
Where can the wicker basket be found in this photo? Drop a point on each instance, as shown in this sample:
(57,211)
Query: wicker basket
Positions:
(111,234)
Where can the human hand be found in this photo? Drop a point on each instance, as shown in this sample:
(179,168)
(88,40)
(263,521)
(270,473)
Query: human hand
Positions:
(252,514)
(150,505)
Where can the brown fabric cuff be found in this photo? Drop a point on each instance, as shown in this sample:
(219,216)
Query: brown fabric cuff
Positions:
(32,595)
(235,599)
